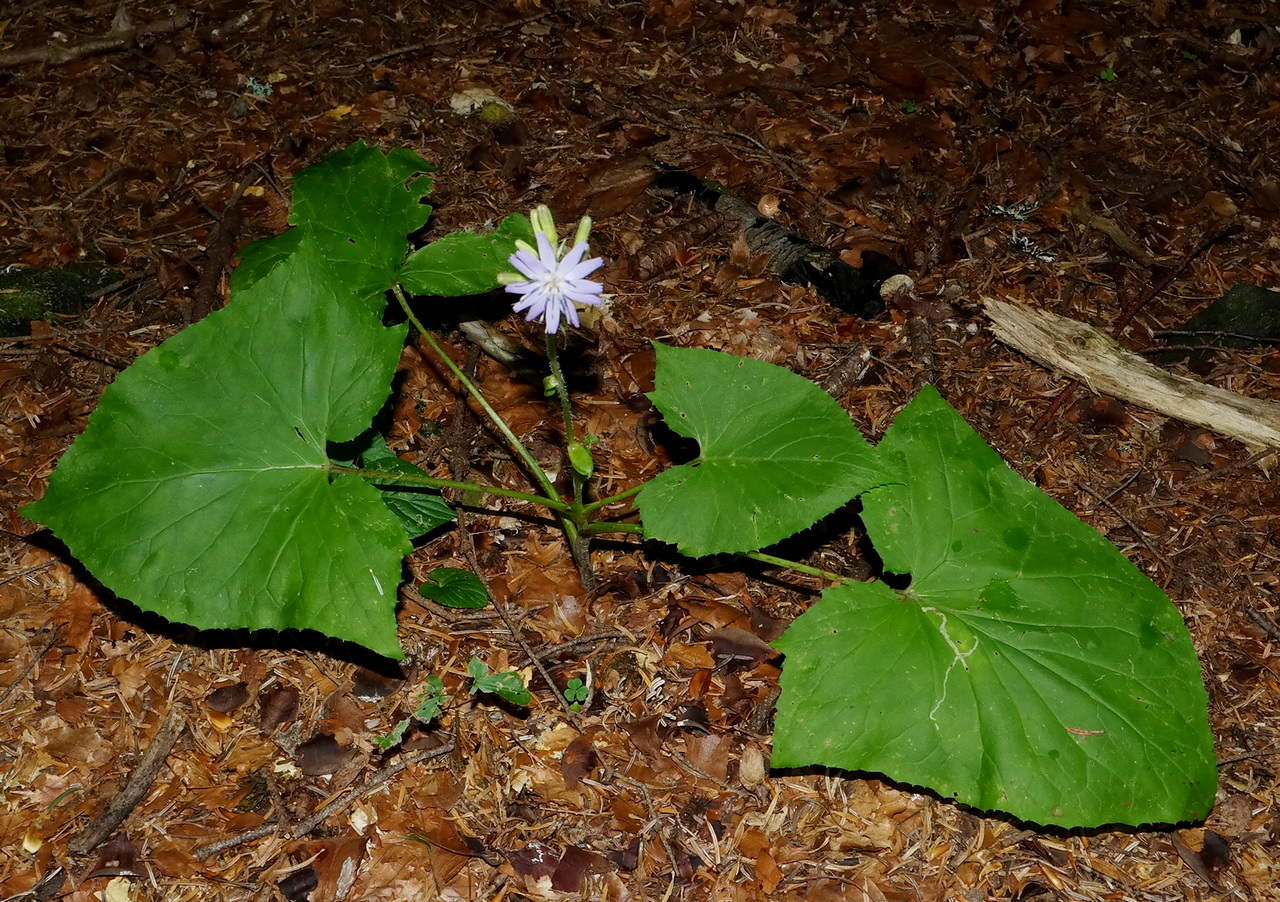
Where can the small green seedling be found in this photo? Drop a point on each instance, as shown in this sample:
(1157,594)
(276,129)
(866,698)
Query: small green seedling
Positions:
(1108,74)
(908,106)
(507,686)
(431,702)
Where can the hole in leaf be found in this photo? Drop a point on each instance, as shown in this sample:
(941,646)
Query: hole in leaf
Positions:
(298,433)
(351,240)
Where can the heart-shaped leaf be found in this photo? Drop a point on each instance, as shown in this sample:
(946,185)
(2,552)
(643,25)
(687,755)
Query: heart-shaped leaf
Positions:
(1029,667)
(454,588)
(464,262)
(419,510)
(202,490)
(777,454)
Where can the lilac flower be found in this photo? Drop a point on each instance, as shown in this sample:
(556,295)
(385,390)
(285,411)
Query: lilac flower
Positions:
(553,285)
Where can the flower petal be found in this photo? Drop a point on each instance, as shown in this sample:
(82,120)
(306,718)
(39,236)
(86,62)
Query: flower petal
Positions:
(527,264)
(547,253)
(553,318)
(585,268)
(587,286)
(582,297)
(572,258)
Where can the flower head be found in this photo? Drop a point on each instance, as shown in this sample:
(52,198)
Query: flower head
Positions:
(552,285)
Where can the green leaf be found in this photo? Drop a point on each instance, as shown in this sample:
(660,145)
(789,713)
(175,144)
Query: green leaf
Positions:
(464,262)
(201,489)
(1029,667)
(419,510)
(576,690)
(394,737)
(357,207)
(454,588)
(507,686)
(778,454)
(431,701)
(580,458)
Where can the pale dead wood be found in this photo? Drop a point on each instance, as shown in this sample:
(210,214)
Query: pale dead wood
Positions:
(1094,358)
(121,34)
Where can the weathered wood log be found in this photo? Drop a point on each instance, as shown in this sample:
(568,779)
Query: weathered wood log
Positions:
(1094,358)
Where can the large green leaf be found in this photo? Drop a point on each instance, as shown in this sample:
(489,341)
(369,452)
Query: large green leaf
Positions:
(358,224)
(777,454)
(463,262)
(1029,667)
(201,489)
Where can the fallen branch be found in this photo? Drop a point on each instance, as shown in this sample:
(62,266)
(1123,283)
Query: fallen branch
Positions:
(792,257)
(1094,358)
(219,250)
(135,790)
(122,33)
(121,805)
(318,817)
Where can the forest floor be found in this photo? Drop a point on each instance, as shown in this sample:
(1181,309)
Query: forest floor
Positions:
(1140,141)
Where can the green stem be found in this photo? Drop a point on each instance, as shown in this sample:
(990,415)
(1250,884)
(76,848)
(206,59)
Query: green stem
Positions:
(562,389)
(613,499)
(574,520)
(600,526)
(499,423)
(796,565)
(566,411)
(381,477)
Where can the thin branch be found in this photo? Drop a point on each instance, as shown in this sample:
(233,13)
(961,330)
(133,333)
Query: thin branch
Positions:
(462,34)
(318,817)
(135,790)
(119,36)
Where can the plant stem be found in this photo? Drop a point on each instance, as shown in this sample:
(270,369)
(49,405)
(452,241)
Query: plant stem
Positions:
(600,526)
(796,565)
(499,423)
(380,476)
(575,519)
(612,499)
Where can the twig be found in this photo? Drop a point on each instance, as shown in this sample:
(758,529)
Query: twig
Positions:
(562,647)
(38,567)
(135,790)
(459,465)
(218,252)
(35,659)
(121,805)
(462,34)
(318,817)
(120,35)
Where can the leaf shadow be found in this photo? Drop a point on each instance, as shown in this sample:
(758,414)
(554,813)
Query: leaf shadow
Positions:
(1017,823)
(289,640)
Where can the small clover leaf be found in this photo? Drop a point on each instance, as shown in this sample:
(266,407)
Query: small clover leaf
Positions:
(576,691)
